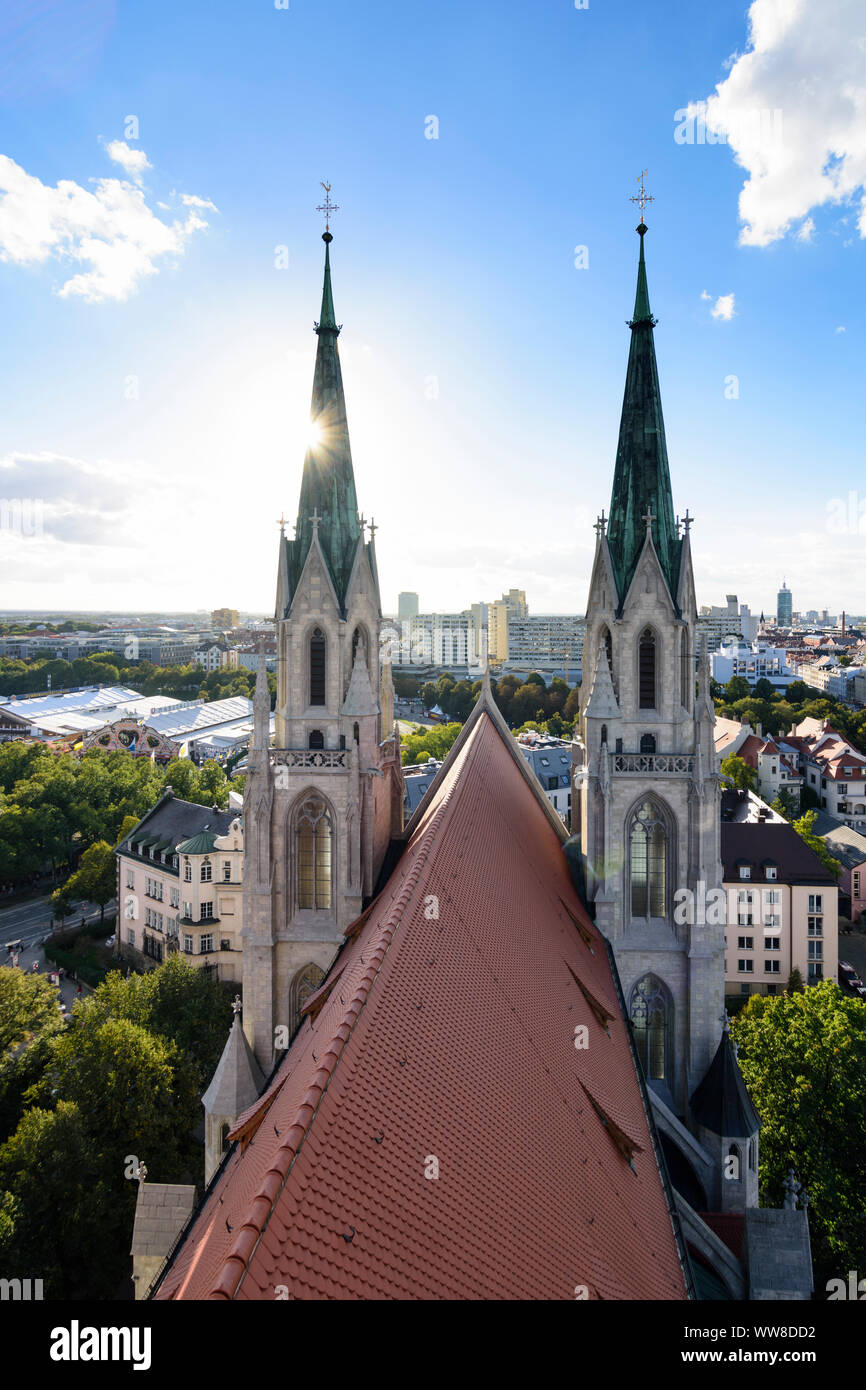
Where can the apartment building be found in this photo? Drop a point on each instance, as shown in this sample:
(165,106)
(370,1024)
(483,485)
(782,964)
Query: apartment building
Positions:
(179,883)
(782,904)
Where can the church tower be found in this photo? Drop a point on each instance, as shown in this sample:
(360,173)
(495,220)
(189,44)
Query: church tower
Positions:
(322,805)
(646,792)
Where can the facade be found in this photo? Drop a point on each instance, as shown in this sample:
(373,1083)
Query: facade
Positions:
(225,618)
(782,904)
(407,606)
(179,882)
(321,806)
(497,630)
(544,643)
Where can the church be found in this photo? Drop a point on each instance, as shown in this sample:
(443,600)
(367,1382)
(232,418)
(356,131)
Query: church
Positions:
(481,1057)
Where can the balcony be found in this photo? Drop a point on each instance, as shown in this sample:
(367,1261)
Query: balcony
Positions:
(660,764)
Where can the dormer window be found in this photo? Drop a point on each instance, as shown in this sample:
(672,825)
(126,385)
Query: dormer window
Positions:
(745,871)
(771,872)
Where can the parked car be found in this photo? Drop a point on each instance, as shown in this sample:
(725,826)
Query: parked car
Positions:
(110,941)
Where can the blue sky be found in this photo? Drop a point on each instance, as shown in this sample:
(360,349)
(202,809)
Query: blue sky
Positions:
(156,365)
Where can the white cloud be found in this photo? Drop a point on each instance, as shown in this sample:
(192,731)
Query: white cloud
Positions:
(133,161)
(806,62)
(111,231)
(807,231)
(723,307)
(705,294)
(841,328)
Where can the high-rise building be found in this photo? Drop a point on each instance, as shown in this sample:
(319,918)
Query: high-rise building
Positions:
(784,606)
(225,617)
(407,606)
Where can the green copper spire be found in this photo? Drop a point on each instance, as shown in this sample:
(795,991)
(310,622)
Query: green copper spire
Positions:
(328,501)
(641,480)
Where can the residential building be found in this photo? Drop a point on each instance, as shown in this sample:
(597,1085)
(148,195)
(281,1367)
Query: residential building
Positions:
(732,624)
(833,769)
(782,903)
(776,761)
(756,661)
(407,606)
(225,618)
(497,630)
(179,883)
(849,848)
(214,656)
(548,644)
(550,760)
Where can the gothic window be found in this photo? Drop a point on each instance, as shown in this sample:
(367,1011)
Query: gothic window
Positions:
(733,1168)
(651,1014)
(608,647)
(604,733)
(224,1138)
(685,700)
(356,731)
(306,982)
(648,861)
(317,667)
(753,1155)
(648,743)
(647,669)
(314,855)
(358,636)
(317,739)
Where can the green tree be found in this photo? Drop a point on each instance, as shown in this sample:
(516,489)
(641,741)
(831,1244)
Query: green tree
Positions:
(737,688)
(95,879)
(798,692)
(764,689)
(795,982)
(28,1008)
(803,1059)
(61,1222)
(805,828)
(741,774)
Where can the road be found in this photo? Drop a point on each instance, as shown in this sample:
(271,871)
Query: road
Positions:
(32,921)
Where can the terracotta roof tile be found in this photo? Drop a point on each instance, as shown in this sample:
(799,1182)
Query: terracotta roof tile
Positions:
(455,1043)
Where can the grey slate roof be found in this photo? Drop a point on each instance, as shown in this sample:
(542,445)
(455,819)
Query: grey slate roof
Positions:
(754,843)
(175,821)
(161,1211)
(238,1078)
(721,1102)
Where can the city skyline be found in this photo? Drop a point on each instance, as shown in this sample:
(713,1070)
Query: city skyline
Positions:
(163,284)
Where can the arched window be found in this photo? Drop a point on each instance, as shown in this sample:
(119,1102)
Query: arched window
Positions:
(314,855)
(685,673)
(356,731)
(317,667)
(648,743)
(648,861)
(224,1138)
(753,1155)
(651,1013)
(733,1168)
(317,739)
(604,733)
(608,647)
(647,669)
(305,983)
(359,636)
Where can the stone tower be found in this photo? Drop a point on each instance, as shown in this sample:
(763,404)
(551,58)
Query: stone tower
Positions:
(236,1084)
(645,795)
(322,805)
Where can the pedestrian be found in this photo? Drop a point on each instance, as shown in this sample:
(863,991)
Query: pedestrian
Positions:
(79,989)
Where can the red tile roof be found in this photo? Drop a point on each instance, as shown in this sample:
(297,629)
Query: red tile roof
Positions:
(454,1039)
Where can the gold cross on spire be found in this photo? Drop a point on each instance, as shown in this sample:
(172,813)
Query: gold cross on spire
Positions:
(327,207)
(643,197)
(282,522)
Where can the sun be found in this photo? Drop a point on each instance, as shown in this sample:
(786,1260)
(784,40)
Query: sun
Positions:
(314,434)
